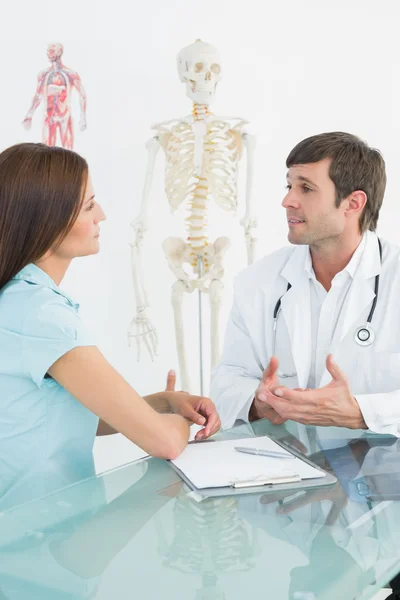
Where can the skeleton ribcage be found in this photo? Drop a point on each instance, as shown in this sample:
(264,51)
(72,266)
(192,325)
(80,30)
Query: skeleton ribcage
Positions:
(222,151)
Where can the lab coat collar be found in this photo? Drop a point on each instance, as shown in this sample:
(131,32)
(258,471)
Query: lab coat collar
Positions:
(369,262)
(350,268)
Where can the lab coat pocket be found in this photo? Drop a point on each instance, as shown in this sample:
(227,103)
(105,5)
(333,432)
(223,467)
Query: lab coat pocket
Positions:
(384,372)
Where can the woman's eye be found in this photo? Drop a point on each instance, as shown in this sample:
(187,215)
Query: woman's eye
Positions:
(91,205)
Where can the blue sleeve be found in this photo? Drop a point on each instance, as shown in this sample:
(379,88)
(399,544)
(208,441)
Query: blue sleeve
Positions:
(50,331)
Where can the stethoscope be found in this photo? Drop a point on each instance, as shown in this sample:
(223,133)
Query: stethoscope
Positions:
(364,335)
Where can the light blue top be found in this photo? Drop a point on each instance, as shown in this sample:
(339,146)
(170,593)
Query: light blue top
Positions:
(43,429)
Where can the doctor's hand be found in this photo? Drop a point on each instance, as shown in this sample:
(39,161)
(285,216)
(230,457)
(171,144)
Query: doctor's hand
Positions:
(260,409)
(196,409)
(331,405)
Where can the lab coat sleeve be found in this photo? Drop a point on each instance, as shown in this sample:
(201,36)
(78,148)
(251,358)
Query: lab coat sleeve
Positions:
(381,412)
(238,374)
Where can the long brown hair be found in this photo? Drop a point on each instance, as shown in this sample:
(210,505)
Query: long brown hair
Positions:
(354,166)
(41,192)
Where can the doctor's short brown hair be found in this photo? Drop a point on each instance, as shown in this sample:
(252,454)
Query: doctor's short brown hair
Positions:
(354,166)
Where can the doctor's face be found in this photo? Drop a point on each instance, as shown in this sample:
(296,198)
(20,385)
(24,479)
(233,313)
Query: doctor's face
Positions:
(311,212)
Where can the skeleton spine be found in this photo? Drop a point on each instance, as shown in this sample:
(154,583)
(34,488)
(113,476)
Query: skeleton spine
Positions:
(196,222)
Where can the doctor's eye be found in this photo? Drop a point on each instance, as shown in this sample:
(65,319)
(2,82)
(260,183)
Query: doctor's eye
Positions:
(306,189)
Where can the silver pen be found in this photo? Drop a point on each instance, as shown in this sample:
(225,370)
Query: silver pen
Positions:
(261,452)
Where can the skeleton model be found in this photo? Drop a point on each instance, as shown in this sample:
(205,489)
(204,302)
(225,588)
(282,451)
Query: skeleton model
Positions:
(55,84)
(202,152)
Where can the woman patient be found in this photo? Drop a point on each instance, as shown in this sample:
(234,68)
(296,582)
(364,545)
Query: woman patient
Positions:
(56,388)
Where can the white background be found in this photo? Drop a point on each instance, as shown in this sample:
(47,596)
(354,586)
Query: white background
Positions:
(292,69)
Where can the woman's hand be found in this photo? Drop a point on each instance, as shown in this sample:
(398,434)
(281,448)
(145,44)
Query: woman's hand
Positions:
(196,409)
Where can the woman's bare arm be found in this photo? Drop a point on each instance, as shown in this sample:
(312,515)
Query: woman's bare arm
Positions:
(89,377)
(157,401)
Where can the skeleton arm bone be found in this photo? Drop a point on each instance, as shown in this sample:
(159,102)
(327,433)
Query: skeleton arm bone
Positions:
(141,328)
(140,223)
(36,100)
(249,222)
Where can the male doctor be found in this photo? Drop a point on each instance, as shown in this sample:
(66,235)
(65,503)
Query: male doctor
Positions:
(334,293)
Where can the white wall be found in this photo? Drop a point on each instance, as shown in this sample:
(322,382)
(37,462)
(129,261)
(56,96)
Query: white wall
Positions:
(292,69)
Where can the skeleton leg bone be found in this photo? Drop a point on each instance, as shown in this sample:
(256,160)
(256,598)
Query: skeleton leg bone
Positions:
(215,291)
(178,253)
(178,290)
(216,272)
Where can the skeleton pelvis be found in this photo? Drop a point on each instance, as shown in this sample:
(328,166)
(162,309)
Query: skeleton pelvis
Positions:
(179,253)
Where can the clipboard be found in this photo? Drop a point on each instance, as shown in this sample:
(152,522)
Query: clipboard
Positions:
(268,484)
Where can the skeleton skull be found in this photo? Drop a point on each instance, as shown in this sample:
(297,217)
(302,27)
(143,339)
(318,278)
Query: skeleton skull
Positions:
(199,66)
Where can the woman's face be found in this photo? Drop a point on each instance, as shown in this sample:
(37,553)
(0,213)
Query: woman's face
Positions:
(83,239)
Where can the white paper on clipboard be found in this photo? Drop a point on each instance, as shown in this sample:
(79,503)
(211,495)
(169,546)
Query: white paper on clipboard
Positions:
(218,464)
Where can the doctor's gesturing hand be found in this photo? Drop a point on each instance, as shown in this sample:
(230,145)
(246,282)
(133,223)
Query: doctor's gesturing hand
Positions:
(331,405)
(260,409)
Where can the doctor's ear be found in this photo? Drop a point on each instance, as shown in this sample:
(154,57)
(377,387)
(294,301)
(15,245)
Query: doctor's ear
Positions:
(355,202)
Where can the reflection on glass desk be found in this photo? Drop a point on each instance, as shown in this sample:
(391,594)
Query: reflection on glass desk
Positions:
(137,531)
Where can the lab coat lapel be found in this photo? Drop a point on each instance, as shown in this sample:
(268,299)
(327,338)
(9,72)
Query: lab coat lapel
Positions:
(296,312)
(361,293)
(360,297)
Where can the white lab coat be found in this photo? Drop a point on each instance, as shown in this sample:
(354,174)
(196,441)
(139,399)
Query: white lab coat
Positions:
(373,371)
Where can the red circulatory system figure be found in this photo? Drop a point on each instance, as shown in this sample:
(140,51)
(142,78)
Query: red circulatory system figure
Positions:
(55,85)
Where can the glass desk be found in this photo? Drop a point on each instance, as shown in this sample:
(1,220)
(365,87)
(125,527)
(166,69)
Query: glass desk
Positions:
(136,532)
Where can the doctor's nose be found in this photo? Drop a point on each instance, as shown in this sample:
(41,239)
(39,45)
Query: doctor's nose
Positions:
(290,200)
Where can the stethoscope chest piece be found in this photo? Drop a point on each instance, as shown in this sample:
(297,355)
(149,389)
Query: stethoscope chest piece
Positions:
(364,336)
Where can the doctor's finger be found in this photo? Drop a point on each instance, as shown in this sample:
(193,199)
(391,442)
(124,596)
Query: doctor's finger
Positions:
(287,409)
(295,395)
(267,411)
(334,370)
(270,370)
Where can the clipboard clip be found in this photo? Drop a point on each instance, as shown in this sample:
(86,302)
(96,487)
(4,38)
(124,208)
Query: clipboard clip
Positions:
(262,480)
